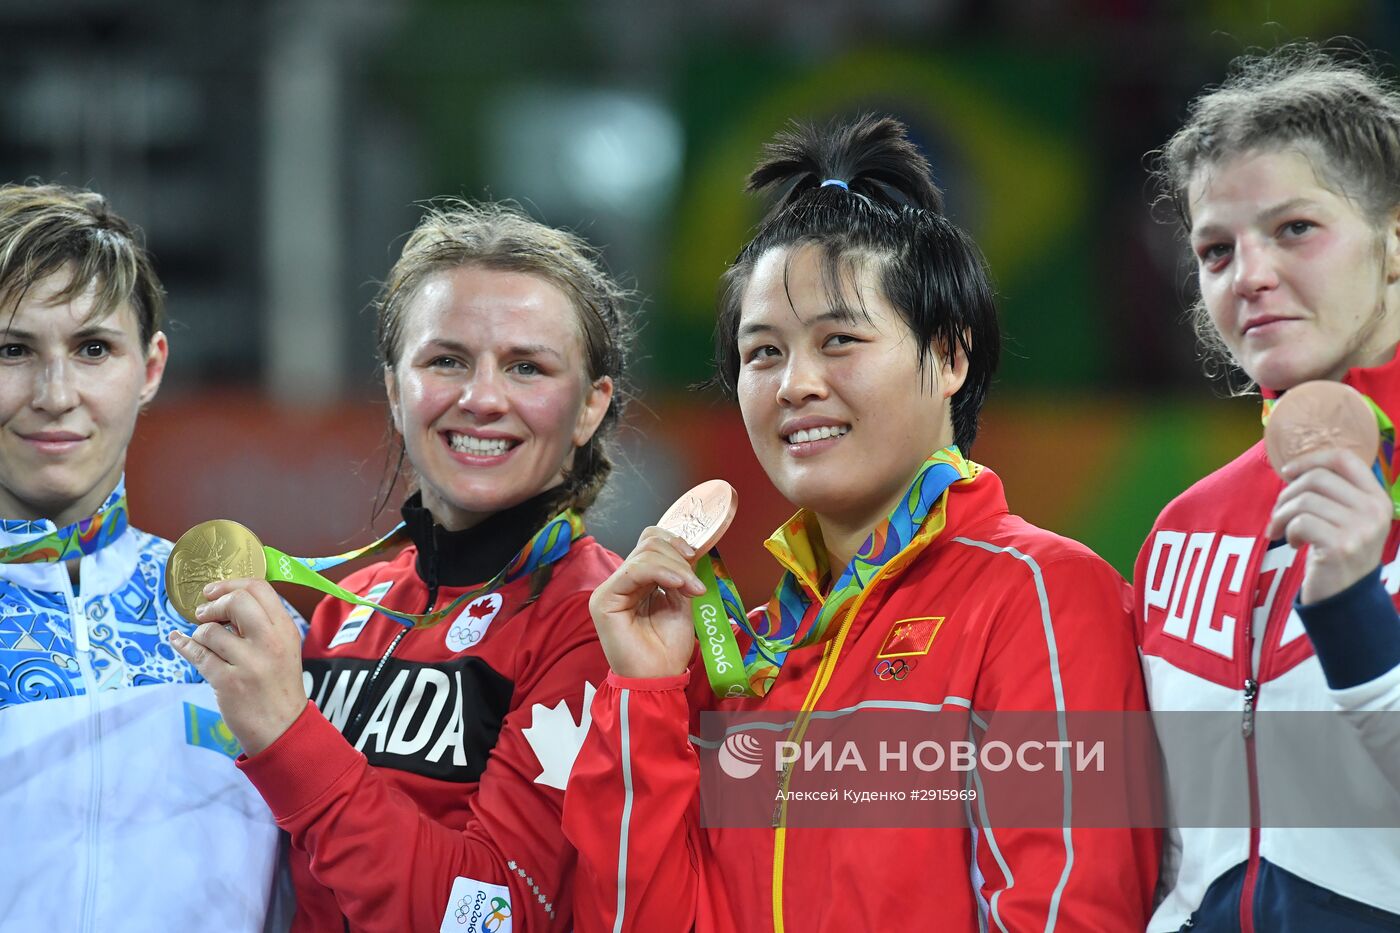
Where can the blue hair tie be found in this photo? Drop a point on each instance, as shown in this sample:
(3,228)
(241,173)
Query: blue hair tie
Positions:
(837,182)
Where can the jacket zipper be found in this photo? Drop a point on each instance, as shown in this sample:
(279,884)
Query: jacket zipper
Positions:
(363,706)
(819,683)
(1251,872)
(82,644)
(1250,707)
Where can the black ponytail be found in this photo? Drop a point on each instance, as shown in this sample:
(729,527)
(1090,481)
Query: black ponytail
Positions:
(861,187)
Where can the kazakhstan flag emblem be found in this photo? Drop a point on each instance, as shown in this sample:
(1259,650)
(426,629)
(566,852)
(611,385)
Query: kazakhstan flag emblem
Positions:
(207,729)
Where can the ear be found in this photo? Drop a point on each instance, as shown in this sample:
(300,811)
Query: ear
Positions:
(391,389)
(1392,247)
(595,406)
(157,354)
(952,367)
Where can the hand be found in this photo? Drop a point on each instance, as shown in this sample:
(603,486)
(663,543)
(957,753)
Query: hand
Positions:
(642,611)
(1333,504)
(255,666)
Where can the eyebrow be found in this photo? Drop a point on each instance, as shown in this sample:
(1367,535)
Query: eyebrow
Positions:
(524,349)
(86,333)
(840,314)
(1270,214)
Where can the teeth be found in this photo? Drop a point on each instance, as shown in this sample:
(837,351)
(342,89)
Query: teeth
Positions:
(463,443)
(817,434)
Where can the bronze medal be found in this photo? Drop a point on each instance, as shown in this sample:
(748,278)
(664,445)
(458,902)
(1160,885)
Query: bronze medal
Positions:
(702,516)
(1319,415)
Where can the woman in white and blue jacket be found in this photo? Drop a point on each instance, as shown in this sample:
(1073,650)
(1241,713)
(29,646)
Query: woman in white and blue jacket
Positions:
(120,804)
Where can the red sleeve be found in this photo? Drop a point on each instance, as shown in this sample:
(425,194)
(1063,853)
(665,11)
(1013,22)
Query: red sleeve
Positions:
(394,868)
(1064,641)
(633,814)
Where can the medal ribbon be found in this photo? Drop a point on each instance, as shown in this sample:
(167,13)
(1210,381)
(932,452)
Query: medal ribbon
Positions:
(546,546)
(919,516)
(79,539)
(1386,468)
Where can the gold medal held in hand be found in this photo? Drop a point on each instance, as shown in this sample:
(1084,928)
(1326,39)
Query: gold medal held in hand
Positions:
(207,553)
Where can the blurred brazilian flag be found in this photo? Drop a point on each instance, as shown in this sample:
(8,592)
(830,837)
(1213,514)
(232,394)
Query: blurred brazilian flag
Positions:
(207,729)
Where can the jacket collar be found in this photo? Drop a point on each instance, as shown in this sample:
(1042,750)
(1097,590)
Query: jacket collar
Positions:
(1380,383)
(100,573)
(475,554)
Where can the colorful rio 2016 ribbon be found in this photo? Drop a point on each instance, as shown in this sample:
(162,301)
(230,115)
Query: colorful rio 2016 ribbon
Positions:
(917,519)
(79,539)
(1385,467)
(546,546)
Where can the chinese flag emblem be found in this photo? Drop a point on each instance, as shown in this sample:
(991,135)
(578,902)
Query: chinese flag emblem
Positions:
(910,636)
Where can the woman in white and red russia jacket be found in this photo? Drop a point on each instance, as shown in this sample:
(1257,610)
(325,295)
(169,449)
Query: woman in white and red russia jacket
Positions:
(1257,594)
(859,333)
(423,785)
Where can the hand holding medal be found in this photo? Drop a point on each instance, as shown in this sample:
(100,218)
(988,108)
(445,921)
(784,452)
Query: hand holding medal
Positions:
(1323,438)
(642,611)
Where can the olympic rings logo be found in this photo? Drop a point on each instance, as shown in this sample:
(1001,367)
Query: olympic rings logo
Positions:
(893,669)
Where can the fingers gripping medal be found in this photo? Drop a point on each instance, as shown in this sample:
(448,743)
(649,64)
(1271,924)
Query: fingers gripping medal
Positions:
(701,517)
(1321,415)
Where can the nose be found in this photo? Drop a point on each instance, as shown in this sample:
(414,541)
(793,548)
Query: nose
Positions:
(484,393)
(804,380)
(1254,268)
(54,390)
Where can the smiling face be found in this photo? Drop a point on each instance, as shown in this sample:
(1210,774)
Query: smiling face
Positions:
(70,391)
(490,391)
(1298,282)
(829,385)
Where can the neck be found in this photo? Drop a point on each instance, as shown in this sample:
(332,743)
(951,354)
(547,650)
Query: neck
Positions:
(843,534)
(61,515)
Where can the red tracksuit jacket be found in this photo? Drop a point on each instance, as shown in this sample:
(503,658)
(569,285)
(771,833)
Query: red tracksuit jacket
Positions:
(470,728)
(1032,621)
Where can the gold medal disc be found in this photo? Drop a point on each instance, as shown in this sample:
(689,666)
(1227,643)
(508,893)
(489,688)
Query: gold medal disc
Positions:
(209,552)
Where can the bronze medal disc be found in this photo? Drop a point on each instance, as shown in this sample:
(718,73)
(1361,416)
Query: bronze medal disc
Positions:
(209,552)
(702,516)
(1319,415)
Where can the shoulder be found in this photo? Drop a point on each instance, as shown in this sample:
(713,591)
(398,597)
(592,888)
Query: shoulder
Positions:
(1240,477)
(149,545)
(580,572)
(1008,538)
(399,567)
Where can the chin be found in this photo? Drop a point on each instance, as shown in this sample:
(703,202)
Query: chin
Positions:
(1281,372)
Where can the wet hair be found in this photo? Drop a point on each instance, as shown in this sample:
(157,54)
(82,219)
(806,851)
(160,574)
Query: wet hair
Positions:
(455,234)
(47,229)
(887,214)
(1338,112)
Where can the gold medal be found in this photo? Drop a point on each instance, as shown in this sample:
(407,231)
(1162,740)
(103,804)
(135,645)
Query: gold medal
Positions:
(207,553)
(1318,415)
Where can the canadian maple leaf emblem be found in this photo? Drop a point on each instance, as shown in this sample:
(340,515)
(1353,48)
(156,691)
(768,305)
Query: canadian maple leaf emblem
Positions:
(480,609)
(556,737)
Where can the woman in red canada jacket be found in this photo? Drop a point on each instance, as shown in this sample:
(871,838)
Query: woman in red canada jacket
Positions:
(422,785)
(859,333)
